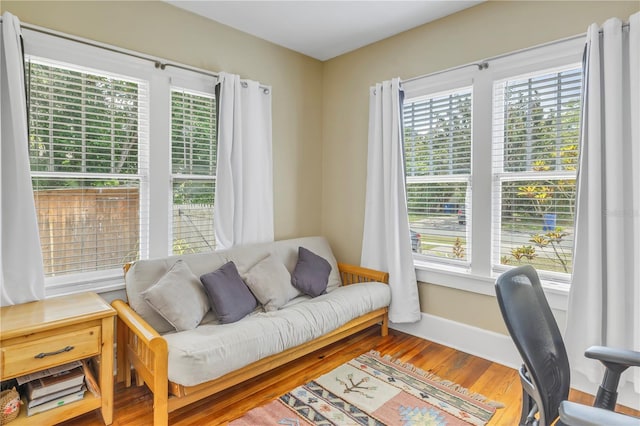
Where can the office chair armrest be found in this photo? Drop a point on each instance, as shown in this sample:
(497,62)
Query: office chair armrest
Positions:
(614,356)
(572,414)
(616,362)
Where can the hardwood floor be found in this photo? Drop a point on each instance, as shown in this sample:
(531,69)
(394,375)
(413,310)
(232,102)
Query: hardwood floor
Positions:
(133,406)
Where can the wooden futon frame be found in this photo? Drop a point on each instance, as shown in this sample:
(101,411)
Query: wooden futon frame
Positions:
(142,348)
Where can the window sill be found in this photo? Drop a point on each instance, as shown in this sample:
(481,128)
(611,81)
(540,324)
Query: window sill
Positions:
(101,285)
(461,279)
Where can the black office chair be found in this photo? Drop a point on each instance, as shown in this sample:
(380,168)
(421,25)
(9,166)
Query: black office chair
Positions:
(545,370)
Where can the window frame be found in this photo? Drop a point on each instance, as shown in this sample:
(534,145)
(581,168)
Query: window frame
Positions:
(60,51)
(479,277)
(416,94)
(156,233)
(200,87)
(501,176)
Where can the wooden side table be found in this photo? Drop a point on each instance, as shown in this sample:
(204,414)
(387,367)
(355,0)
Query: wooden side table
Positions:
(39,335)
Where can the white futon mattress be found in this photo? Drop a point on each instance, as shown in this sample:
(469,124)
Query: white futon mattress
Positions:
(212,350)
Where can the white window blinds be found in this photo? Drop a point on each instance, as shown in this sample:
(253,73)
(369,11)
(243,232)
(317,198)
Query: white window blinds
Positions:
(437,132)
(88,151)
(193,162)
(535,158)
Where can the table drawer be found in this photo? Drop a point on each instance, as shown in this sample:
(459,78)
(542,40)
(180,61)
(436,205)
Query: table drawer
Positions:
(40,353)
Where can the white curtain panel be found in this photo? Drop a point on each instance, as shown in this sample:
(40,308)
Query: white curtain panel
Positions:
(21,270)
(386,243)
(604,302)
(243,208)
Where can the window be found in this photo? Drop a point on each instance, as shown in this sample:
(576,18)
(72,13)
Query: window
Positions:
(193,162)
(84,143)
(536,130)
(491,155)
(103,156)
(437,141)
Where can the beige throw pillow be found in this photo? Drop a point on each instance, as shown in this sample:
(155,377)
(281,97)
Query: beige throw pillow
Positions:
(270,282)
(179,297)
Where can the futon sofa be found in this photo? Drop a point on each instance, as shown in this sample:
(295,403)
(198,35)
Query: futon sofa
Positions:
(197,324)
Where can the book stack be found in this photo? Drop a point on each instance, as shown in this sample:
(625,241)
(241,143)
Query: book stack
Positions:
(54,387)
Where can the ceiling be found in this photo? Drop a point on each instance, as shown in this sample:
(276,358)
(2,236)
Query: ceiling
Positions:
(323,29)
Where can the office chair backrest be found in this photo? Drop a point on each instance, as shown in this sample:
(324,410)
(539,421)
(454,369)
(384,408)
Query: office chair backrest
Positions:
(536,335)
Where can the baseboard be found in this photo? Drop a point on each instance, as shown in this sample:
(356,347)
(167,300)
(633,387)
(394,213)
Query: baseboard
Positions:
(495,347)
(476,341)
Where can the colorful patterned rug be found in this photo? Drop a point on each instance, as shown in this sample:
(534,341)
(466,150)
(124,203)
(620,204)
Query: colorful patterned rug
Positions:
(374,390)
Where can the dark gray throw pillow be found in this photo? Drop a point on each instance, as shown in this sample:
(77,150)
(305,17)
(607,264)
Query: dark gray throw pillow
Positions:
(311,273)
(230,297)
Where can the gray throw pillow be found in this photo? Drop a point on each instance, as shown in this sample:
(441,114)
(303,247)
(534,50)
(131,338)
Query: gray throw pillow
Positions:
(270,282)
(311,273)
(230,297)
(179,297)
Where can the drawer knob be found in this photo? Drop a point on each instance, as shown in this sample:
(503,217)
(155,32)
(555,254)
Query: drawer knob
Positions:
(43,354)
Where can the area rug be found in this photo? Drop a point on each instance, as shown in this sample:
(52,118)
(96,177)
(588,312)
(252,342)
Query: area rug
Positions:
(374,390)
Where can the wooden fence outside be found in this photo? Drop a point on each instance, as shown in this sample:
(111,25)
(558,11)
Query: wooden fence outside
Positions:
(193,230)
(87,229)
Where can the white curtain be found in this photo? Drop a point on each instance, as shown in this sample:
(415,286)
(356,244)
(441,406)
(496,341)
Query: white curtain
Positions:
(386,243)
(604,303)
(243,208)
(21,270)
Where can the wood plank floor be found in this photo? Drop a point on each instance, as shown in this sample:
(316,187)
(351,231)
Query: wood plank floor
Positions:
(133,406)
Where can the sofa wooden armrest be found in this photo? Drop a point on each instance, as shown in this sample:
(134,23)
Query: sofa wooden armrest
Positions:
(140,347)
(351,274)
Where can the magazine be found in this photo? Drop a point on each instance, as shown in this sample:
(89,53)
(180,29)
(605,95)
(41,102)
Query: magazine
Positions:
(56,382)
(58,402)
(54,395)
(48,372)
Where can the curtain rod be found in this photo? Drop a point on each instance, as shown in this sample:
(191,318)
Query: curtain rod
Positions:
(484,64)
(158,63)
(163,65)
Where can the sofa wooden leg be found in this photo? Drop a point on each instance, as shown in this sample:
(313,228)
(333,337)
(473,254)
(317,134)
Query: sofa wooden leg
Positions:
(384,331)
(160,403)
(139,379)
(160,416)
(121,343)
(127,376)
